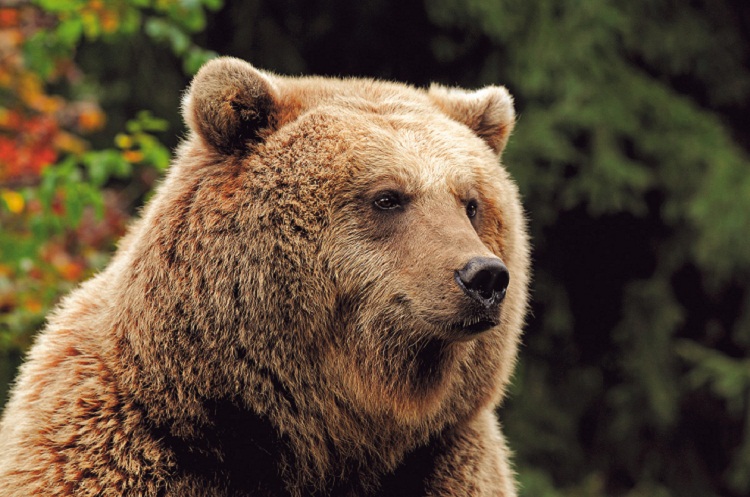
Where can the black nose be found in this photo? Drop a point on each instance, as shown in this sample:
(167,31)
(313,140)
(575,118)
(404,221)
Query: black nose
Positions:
(484,279)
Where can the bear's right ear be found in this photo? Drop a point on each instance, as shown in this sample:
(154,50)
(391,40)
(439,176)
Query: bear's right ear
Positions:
(230,104)
(488,112)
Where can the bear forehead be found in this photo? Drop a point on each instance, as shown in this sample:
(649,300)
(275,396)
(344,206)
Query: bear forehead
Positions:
(398,141)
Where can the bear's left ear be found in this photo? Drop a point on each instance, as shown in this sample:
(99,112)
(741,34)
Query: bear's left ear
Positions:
(230,104)
(488,112)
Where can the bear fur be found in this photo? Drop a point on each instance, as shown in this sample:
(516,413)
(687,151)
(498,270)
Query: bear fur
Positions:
(286,316)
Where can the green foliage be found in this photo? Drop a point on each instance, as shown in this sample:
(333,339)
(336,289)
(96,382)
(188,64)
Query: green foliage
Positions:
(604,131)
(602,128)
(63,203)
(727,377)
(169,22)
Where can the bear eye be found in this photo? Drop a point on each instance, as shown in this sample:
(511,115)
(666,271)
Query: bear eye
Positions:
(387,201)
(471,209)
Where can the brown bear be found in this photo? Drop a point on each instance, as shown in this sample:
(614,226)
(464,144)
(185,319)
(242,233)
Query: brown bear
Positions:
(324,298)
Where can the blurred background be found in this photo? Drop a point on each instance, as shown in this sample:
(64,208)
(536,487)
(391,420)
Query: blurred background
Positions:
(631,152)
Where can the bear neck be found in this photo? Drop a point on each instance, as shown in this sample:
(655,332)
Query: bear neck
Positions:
(259,420)
(271,436)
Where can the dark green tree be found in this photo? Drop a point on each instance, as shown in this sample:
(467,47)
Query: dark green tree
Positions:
(636,379)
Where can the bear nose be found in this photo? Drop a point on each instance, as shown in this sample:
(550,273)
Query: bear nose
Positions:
(484,279)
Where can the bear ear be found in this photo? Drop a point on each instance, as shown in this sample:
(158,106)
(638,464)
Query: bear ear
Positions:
(488,112)
(230,104)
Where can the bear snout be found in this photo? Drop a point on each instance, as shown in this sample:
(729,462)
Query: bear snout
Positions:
(484,280)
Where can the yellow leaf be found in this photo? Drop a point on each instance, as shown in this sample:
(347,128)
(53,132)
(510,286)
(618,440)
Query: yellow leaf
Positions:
(123,141)
(13,200)
(45,103)
(29,88)
(5,271)
(66,142)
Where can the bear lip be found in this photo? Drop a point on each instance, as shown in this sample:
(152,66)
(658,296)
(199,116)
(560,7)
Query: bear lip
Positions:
(469,330)
(480,326)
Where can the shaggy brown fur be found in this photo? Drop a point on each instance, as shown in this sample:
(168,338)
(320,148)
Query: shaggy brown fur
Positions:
(271,326)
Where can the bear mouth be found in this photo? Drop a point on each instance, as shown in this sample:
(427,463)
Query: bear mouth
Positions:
(463,327)
(480,326)
(470,329)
